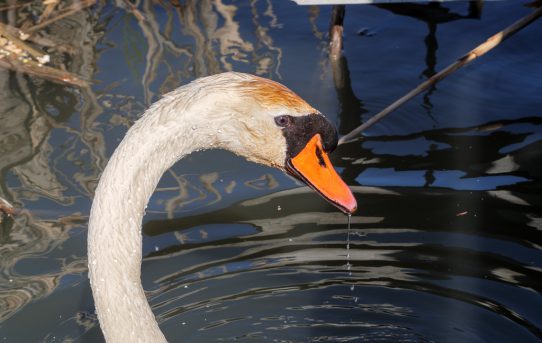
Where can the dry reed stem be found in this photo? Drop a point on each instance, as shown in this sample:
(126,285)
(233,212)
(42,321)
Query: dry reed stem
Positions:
(37,69)
(480,50)
(10,33)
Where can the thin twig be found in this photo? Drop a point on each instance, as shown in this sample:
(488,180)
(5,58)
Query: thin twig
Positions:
(492,42)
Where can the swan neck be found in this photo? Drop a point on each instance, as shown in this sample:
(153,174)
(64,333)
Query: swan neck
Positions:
(151,146)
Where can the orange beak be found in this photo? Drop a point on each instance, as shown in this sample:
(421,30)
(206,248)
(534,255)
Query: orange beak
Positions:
(312,166)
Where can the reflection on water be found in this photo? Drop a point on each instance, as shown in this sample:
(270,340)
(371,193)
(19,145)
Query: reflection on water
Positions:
(447,242)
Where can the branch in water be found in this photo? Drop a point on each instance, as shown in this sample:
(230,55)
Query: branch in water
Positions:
(480,50)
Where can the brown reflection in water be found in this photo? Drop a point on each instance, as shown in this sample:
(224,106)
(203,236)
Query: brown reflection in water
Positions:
(24,145)
(267,57)
(85,32)
(266,181)
(183,198)
(314,13)
(230,41)
(216,48)
(30,110)
(208,190)
(27,237)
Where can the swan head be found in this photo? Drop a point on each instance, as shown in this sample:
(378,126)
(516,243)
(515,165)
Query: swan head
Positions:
(270,124)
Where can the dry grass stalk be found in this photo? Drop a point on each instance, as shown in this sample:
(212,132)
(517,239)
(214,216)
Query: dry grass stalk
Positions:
(50,6)
(13,6)
(480,50)
(6,208)
(65,12)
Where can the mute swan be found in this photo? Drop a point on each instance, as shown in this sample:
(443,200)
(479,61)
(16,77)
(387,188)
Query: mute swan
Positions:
(248,115)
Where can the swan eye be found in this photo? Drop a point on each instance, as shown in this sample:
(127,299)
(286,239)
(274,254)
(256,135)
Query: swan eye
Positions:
(283,121)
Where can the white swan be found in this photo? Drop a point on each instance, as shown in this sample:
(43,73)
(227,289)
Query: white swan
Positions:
(253,117)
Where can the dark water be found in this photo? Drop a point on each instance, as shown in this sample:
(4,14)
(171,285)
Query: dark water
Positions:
(446,245)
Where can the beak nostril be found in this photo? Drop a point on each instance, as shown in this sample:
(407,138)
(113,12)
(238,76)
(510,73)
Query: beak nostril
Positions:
(321,160)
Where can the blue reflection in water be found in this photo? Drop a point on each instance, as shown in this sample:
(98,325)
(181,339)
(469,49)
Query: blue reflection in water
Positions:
(443,178)
(419,146)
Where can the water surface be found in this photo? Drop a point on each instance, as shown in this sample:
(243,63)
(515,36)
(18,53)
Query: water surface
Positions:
(445,246)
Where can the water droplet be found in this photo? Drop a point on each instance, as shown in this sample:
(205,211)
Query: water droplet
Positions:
(194,127)
(348,242)
(279,208)
(348,264)
(156,248)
